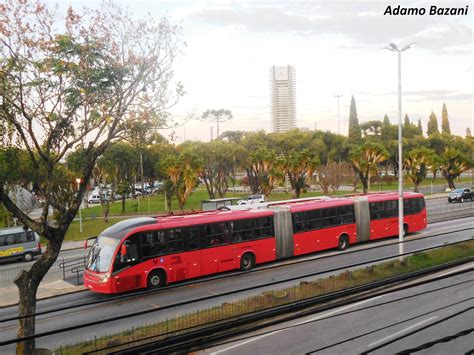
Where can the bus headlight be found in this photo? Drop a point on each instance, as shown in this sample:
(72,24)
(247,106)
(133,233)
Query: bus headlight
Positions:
(104,279)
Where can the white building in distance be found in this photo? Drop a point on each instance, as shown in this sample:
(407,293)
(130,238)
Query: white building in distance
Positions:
(283,98)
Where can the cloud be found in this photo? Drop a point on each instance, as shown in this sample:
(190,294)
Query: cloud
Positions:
(362,22)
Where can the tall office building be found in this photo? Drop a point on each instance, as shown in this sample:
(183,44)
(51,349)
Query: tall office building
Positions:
(283,98)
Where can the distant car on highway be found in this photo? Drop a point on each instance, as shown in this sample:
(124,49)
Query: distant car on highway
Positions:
(461,195)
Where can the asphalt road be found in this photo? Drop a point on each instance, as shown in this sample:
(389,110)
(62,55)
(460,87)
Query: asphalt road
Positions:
(373,323)
(205,287)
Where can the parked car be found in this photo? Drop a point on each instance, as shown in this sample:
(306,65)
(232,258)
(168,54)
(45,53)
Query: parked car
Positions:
(461,195)
(251,199)
(94,198)
(19,243)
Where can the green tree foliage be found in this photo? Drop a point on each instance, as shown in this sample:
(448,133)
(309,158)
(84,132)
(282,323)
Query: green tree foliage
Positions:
(410,130)
(420,127)
(372,129)
(406,121)
(355,134)
(432,124)
(257,157)
(219,163)
(445,120)
(417,162)
(453,164)
(233,136)
(183,169)
(121,163)
(297,157)
(388,131)
(81,77)
(365,160)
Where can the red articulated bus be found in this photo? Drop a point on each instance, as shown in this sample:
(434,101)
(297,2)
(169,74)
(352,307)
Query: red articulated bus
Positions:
(152,252)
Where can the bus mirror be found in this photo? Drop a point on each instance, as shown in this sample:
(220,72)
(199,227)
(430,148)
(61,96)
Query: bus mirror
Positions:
(86,242)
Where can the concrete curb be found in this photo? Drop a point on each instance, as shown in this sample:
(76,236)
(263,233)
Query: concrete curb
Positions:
(44,292)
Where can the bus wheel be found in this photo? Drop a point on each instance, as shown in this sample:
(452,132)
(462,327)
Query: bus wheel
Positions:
(156,279)
(247,262)
(28,257)
(343,242)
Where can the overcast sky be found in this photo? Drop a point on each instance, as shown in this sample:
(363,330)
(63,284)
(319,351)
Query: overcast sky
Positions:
(336,48)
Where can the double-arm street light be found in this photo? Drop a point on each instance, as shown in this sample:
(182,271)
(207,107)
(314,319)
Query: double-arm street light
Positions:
(392,47)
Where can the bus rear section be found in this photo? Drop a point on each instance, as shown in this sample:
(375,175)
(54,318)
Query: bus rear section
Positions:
(383,214)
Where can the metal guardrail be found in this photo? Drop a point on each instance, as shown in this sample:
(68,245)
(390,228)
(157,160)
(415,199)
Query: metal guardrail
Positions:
(73,267)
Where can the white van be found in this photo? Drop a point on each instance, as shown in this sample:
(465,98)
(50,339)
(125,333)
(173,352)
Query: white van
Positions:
(94,197)
(18,243)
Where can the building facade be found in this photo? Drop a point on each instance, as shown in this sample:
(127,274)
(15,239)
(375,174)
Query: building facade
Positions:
(283,98)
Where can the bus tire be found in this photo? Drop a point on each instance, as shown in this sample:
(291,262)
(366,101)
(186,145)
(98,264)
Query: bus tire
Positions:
(247,262)
(28,257)
(343,242)
(156,279)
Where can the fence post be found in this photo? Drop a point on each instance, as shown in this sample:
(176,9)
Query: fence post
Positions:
(64,269)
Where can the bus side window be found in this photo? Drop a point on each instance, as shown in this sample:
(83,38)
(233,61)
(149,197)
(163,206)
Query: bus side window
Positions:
(3,240)
(175,240)
(242,230)
(299,221)
(192,238)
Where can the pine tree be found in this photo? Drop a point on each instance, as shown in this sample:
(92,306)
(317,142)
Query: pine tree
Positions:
(420,128)
(386,128)
(445,120)
(468,132)
(432,124)
(355,133)
(406,122)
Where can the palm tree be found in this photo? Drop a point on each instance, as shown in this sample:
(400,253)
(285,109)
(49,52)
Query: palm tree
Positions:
(417,163)
(183,171)
(365,160)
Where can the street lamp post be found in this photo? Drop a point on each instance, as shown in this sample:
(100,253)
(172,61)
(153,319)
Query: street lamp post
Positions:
(78,180)
(392,47)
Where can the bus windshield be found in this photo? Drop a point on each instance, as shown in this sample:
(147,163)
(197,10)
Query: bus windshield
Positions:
(101,254)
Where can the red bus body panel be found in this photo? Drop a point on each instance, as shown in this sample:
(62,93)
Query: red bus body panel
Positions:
(207,261)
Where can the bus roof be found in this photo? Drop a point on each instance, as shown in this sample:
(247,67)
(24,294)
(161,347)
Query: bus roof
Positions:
(120,229)
(376,197)
(327,203)
(210,217)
